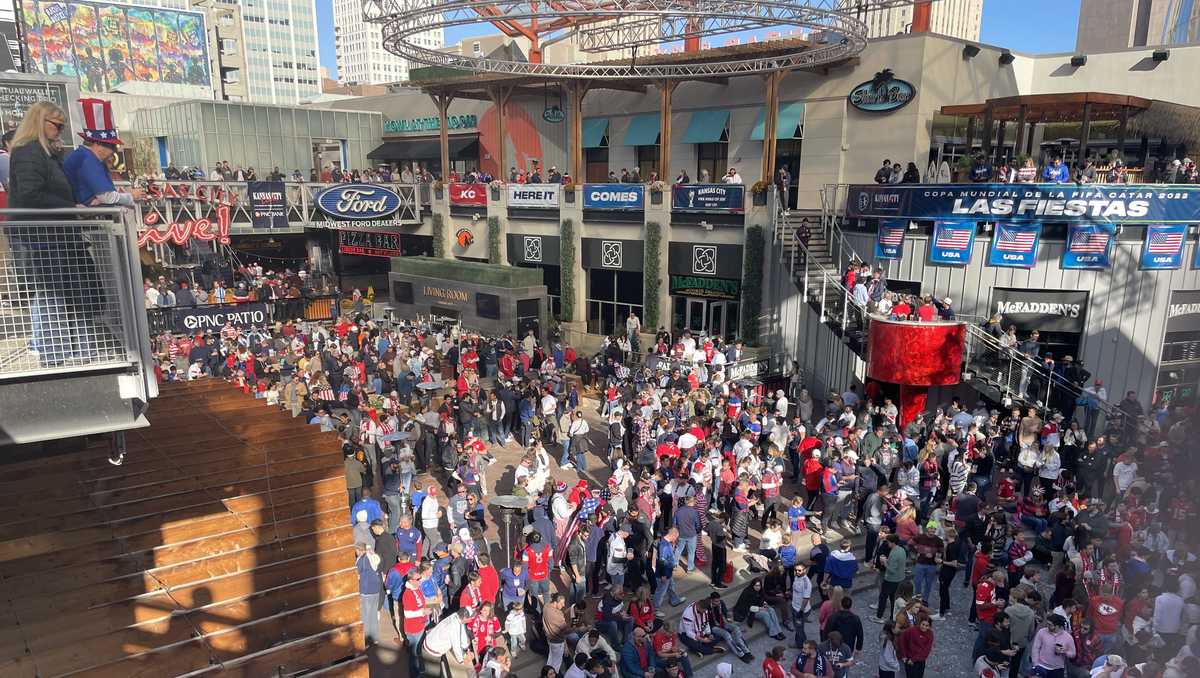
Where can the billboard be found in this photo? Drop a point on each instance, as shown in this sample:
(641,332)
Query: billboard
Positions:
(104,45)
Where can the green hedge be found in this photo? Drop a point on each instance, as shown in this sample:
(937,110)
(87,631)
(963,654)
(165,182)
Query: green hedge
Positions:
(439,236)
(494,240)
(567,265)
(652,281)
(752,282)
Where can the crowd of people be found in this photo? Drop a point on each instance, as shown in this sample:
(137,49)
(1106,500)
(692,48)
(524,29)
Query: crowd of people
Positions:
(1079,551)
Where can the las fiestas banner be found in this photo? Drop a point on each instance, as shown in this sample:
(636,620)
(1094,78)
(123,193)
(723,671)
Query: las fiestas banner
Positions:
(268,204)
(196,319)
(708,197)
(1015,245)
(468,194)
(1089,246)
(952,242)
(540,196)
(889,244)
(1163,247)
(1059,203)
(614,196)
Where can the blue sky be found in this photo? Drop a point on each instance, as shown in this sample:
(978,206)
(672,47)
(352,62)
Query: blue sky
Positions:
(1030,26)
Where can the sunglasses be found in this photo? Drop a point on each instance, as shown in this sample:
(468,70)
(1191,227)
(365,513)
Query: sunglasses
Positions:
(57,125)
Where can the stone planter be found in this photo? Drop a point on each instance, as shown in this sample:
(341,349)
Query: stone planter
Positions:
(760,199)
(495,193)
(437,193)
(656,197)
(569,196)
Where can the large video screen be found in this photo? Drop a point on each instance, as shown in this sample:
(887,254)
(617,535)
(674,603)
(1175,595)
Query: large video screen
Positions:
(105,45)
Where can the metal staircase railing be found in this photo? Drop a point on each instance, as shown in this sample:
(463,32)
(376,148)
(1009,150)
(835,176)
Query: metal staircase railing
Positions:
(1002,373)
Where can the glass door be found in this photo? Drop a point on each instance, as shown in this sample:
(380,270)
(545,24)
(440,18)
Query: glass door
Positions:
(717,318)
(695,315)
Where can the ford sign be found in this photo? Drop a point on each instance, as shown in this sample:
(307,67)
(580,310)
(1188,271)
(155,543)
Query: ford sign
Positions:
(882,94)
(358,201)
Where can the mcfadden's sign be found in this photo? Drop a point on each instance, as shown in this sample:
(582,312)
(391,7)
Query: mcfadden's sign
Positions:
(204,318)
(1053,203)
(1048,311)
(1183,315)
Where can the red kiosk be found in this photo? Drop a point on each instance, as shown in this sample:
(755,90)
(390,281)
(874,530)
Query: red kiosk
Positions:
(915,355)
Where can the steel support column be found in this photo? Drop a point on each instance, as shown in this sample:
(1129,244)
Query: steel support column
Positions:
(1122,125)
(442,101)
(1019,146)
(1085,134)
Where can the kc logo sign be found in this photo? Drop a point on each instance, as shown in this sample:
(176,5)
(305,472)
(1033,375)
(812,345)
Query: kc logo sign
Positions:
(474,195)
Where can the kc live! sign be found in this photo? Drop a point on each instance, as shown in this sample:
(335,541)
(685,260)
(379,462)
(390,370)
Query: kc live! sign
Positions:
(182,232)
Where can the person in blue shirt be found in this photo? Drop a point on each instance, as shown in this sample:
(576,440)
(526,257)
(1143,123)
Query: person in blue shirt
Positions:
(514,582)
(665,571)
(87,166)
(370,584)
(366,503)
(408,538)
(1056,172)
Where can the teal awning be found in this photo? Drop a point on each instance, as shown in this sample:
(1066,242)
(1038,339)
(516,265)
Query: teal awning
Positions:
(706,127)
(643,130)
(594,131)
(791,119)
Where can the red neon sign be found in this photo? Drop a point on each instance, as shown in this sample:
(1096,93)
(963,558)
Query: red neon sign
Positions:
(206,194)
(181,232)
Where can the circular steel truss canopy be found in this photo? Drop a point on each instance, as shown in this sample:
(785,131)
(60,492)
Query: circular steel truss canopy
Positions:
(637,28)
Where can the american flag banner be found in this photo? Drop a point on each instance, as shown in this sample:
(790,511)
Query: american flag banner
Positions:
(952,242)
(889,244)
(582,514)
(1163,247)
(1015,245)
(1089,246)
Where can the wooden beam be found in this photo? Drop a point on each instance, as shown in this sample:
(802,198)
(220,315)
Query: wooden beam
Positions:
(666,91)
(770,125)
(986,136)
(500,96)
(1018,146)
(576,90)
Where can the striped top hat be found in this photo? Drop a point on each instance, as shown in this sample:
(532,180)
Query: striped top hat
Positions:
(98,122)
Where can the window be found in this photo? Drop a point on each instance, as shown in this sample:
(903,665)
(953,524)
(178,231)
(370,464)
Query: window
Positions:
(713,157)
(611,296)
(647,160)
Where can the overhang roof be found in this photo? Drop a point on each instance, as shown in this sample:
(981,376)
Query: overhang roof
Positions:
(1041,108)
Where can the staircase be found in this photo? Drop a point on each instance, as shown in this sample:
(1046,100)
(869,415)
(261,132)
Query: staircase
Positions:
(999,374)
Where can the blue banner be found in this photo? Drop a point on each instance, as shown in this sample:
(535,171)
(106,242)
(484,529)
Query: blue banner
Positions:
(889,244)
(1015,245)
(952,242)
(708,197)
(614,196)
(1089,246)
(1055,203)
(1163,247)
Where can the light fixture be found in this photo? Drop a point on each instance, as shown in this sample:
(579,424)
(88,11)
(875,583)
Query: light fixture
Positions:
(912,226)
(1006,58)
(1078,60)
(970,51)
(987,228)
(1161,54)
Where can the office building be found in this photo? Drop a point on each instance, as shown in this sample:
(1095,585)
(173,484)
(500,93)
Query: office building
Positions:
(955,18)
(1115,24)
(361,58)
(281,50)
(226,48)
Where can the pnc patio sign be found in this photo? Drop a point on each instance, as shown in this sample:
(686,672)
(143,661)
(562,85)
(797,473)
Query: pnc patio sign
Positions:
(430,124)
(358,201)
(883,93)
(203,318)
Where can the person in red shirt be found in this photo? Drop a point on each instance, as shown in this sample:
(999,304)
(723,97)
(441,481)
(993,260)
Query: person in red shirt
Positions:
(416,618)
(536,557)
(483,627)
(771,666)
(914,646)
(489,579)
(926,312)
(813,468)
(641,608)
(902,310)
(471,597)
(986,602)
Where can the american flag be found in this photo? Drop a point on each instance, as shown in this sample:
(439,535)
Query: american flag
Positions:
(1014,241)
(1085,242)
(954,238)
(1164,243)
(893,236)
(585,511)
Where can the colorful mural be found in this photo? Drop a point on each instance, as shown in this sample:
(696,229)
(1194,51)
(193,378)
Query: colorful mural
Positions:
(105,45)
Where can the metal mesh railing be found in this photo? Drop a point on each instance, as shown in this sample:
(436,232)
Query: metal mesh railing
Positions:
(63,292)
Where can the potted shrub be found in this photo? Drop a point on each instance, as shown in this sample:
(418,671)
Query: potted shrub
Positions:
(494,188)
(758,193)
(656,192)
(569,193)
